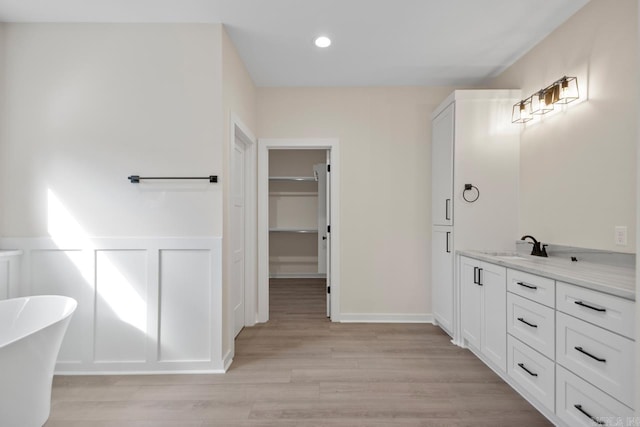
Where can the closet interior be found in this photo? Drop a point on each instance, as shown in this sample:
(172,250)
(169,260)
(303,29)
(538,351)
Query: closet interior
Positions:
(297,213)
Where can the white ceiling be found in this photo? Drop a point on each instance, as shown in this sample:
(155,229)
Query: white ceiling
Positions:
(375,42)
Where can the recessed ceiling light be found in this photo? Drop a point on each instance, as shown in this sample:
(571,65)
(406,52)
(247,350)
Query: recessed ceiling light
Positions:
(323,41)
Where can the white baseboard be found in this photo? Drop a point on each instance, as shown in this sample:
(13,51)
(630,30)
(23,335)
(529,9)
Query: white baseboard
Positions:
(227,360)
(297,276)
(385,318)
(178,372)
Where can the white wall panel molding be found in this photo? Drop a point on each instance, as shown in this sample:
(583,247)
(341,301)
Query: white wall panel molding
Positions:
(385,318)
(144,304)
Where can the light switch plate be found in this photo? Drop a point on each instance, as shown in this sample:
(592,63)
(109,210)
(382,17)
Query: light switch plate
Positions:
(621,235)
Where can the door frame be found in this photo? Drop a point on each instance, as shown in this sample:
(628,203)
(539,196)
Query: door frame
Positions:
(242,133)
(264,145)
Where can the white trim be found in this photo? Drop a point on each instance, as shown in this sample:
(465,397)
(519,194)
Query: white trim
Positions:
(173,372)
(228,359)
(264,145)
(385,318)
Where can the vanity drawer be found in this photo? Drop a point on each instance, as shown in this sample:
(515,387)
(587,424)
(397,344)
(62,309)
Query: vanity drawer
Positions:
(578,403)
(531,370)
(536,288)
(601,357)
(607,311)
(532,323)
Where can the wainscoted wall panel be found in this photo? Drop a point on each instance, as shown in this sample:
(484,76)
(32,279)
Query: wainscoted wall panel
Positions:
(144,304)
(121,306)
(65,272)
(9,273)
(4,279)
(185,303)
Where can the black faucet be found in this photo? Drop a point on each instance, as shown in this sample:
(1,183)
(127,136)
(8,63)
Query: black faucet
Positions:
(537,250)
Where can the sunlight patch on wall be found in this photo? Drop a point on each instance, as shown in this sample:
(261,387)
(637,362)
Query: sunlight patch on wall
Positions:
(119,294)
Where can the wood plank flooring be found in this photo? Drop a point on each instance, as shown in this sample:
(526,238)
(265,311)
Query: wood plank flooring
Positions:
(300,369)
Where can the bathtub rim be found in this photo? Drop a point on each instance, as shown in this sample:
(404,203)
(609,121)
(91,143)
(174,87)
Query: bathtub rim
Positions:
(70,311)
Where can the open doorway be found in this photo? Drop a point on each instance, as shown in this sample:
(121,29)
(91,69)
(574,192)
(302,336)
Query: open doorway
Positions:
(297,217)
(298,222)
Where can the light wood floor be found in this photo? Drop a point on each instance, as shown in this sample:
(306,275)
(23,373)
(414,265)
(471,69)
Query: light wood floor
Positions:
(299,369)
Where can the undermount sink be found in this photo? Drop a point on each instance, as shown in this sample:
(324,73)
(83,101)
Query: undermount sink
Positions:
(510,257)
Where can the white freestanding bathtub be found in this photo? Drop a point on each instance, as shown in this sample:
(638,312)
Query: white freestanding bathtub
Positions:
(31,332)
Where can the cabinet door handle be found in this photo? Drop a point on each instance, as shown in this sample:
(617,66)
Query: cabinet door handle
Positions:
(527,323)
(580,303)
(591,417)
(475,275)
(480,277)
(447,202)
(533,374)
(448,237)
(527,286)
(583,351)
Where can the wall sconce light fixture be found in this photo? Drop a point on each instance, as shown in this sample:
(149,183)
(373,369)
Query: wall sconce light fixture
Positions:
(522,111)
(562,91)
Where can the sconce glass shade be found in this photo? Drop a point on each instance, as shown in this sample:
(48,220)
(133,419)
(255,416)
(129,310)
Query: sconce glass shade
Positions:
(521,111)
(542,102)
(567,90)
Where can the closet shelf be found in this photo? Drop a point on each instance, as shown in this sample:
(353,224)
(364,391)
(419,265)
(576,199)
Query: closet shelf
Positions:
(292,178)
(294,230)
(294,193)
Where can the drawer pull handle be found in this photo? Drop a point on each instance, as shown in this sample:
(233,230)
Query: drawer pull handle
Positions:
(527,286)
(580,303)
(533,374)
(581,350)
(527,323)
(591,417)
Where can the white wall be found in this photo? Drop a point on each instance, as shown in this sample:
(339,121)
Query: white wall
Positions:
(239,102)
(85,106)
(385,214)
(577,167)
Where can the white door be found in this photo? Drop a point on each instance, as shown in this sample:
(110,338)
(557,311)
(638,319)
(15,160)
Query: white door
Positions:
(442,277)
(442,167)
(471,302)
(494,322)
(327,230)
(320,172)
(238,235)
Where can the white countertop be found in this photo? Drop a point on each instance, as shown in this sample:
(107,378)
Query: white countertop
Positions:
(614,280)
(9,252)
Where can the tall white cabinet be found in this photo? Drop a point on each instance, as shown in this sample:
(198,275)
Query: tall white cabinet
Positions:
(473,142)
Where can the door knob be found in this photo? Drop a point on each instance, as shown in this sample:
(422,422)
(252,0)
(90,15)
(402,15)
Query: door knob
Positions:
(324,237)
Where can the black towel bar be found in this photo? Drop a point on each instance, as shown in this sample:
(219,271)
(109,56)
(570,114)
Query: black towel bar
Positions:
(135,179)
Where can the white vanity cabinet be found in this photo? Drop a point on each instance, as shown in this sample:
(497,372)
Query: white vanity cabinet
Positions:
(594,343)
(531,334)
(570,349)
(483,305)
